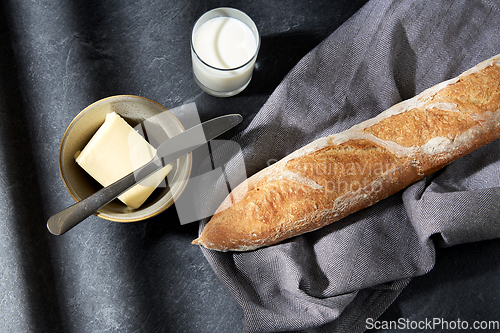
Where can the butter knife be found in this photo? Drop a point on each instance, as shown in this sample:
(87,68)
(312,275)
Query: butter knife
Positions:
(167,152)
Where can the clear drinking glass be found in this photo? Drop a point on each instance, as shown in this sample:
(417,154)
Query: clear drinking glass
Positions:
(224,51)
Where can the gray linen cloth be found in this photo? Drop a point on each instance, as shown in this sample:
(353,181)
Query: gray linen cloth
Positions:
(332,279)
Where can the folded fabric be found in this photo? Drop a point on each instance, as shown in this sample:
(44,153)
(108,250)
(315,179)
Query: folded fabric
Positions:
(332,279)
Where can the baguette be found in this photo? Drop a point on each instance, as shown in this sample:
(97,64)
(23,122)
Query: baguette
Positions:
(337,175)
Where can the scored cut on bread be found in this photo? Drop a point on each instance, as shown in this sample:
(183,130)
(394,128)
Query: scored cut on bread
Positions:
(338,175)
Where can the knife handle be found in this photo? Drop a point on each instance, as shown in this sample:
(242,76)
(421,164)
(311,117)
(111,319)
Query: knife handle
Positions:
(71,216)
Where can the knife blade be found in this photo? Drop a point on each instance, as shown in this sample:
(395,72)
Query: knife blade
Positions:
(168,151)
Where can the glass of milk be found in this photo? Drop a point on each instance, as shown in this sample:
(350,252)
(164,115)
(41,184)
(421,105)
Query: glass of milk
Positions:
(224,47)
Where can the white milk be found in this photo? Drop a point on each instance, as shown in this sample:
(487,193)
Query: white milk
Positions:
(226,44)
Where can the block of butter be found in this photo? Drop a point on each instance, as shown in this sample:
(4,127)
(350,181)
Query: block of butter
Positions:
(116,150)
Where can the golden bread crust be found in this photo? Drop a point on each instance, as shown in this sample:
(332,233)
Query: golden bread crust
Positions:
(338,175)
